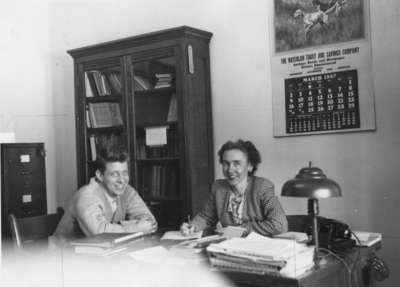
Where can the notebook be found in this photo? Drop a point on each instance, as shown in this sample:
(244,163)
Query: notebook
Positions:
(106,240)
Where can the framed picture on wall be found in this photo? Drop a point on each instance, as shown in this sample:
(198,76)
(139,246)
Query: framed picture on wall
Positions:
(321,64)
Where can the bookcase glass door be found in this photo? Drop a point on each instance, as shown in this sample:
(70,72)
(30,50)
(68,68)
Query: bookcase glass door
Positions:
(104,111)
(154,86)
(157,142)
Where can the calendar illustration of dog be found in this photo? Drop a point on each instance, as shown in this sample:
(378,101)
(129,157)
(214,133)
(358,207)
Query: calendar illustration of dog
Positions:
(307,23)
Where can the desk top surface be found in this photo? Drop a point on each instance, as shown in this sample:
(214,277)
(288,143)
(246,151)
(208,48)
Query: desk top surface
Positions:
(331,267)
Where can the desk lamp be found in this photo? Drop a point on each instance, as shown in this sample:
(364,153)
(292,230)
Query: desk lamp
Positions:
(313,184)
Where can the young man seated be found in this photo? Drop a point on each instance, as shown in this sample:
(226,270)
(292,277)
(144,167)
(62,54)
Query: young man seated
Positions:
(108,203)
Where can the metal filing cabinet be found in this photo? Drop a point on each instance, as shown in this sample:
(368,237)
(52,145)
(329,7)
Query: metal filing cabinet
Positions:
(23,182)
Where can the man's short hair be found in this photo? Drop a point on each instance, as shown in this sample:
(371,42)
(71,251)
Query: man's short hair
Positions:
(110,154)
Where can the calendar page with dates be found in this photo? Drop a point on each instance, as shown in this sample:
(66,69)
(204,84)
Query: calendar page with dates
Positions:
(322,102)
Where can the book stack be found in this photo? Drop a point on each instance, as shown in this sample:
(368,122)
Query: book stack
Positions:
(105,244)
(262,255)
(163,80)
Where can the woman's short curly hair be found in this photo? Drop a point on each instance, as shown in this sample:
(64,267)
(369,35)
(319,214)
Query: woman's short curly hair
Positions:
(247,147)
(110,153)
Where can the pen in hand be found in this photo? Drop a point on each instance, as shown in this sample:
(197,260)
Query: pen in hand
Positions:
(187,228)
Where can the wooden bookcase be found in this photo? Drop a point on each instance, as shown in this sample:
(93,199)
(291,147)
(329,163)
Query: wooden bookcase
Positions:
(153,86)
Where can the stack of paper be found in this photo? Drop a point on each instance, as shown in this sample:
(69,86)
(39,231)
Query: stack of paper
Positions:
(262,255)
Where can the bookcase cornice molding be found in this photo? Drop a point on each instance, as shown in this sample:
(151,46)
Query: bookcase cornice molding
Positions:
(141,40)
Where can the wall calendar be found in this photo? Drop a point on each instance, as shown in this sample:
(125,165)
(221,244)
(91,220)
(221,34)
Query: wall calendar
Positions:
(322,70)
(322,102)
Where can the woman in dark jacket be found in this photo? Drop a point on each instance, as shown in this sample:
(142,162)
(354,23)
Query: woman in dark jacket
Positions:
(241,199)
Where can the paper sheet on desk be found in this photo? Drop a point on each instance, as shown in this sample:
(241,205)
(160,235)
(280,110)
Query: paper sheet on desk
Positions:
(364,238)
(232,231)
(149,254)
(177,235)
(159,255)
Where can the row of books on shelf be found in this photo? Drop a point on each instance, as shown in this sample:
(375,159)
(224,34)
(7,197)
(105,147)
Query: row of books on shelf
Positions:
(102,83)
(171,149)
(104,114)
(96,141)
(163,80)
(159,181)
(99,83)
(108,114)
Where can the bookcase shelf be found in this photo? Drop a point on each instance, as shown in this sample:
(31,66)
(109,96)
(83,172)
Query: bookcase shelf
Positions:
(160,91)
(160,79)
(111,98)
(105,129)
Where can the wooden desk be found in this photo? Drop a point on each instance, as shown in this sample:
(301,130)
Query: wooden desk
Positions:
(332,274)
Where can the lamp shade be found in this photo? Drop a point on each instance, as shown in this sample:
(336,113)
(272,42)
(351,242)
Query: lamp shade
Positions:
(311,182)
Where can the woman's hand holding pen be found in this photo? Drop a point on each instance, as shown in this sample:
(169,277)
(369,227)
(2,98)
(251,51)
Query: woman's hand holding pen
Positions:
(187,228)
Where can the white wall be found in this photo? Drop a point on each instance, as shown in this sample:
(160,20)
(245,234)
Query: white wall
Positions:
(32,98)
(37,99)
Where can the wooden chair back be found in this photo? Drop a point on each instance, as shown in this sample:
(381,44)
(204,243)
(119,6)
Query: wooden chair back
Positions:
(28,230)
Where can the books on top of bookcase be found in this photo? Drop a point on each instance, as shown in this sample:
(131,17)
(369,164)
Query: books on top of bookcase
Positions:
(104,114)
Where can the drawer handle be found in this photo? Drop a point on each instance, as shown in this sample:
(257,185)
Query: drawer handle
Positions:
(26,173)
